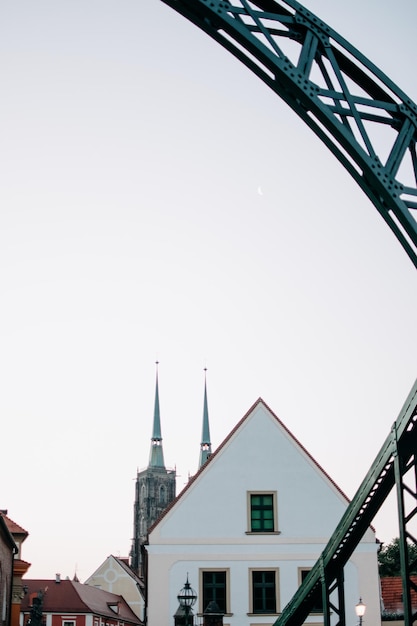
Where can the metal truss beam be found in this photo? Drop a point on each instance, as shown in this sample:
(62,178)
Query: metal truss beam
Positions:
(395,465)
(366,121)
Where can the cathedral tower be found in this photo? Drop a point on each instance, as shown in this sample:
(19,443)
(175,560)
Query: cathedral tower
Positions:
(155,489)
(205,445)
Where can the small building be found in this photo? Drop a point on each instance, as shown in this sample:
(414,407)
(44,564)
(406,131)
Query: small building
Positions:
(8,549)
(70,603)
(115,575)
(20,567)
(249,526)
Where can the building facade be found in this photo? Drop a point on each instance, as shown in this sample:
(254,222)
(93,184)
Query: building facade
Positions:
(8,549)
(249,526)
(20,568)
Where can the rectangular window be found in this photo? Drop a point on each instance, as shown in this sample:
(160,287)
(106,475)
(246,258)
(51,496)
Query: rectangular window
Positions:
(68,623)
(264,591)
(214,588)
(302,574)
(262,512)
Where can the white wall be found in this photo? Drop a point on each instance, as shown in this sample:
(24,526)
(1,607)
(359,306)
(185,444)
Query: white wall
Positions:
(208,525)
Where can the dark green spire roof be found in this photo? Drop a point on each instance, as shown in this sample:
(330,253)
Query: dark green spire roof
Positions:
(205,446)
(156,457)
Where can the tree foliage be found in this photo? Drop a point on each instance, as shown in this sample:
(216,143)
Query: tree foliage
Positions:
(389,559)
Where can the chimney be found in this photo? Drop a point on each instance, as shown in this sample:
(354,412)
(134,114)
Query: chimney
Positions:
(57,578)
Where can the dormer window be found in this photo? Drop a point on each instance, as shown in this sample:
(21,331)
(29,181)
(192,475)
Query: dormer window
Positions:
(114,607)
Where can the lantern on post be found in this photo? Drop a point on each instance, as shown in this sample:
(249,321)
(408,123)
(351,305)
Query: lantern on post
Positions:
(360,609)
(187,598)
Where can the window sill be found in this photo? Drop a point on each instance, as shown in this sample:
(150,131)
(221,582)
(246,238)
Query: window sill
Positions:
(224,614)
(263,532)
(261,614)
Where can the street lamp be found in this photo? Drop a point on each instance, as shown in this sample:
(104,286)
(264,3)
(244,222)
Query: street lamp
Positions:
(187,598)
(360,609)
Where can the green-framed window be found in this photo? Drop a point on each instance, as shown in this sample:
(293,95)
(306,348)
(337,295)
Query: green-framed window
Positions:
(264,591)
(214,588)
(262,513)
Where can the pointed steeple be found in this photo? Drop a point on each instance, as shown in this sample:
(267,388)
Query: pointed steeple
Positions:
(156,457)
(205,445)
(154,491)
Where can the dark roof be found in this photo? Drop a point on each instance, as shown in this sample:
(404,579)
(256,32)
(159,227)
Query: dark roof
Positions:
(392,594)
(68,596)
(204,467)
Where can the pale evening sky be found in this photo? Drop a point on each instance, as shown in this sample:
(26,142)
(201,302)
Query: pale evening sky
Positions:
(133,148)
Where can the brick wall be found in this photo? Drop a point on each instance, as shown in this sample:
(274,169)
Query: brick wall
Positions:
(6,577)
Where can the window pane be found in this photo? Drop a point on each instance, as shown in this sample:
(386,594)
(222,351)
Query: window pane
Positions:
(262,512)
(263,592)
(214,589)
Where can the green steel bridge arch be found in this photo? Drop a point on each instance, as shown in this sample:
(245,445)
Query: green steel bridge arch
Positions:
(343,97)
(370,125)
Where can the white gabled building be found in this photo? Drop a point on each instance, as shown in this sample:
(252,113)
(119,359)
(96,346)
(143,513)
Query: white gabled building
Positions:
(248,526)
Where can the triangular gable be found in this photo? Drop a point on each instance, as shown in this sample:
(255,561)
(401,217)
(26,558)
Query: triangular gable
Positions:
(228,439)
(124,565)
(101,570)
(114,562)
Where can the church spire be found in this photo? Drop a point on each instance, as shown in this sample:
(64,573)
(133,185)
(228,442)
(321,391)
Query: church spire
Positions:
(205,446)
(156,457)
(154,490)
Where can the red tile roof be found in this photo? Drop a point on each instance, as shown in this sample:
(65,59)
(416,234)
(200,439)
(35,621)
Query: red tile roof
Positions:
(14,528)
(68,596)
(392,594)
(99,601)
(59,597)
(6,536)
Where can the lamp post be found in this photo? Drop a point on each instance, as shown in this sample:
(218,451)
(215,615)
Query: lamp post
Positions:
(187,598)
(360,609)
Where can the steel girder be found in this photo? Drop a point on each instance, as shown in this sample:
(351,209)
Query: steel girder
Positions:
(367,122)
(395,465)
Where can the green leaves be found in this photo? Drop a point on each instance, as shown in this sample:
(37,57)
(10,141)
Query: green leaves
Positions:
(389,559)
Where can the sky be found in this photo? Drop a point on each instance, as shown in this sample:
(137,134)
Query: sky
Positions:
(159,202)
